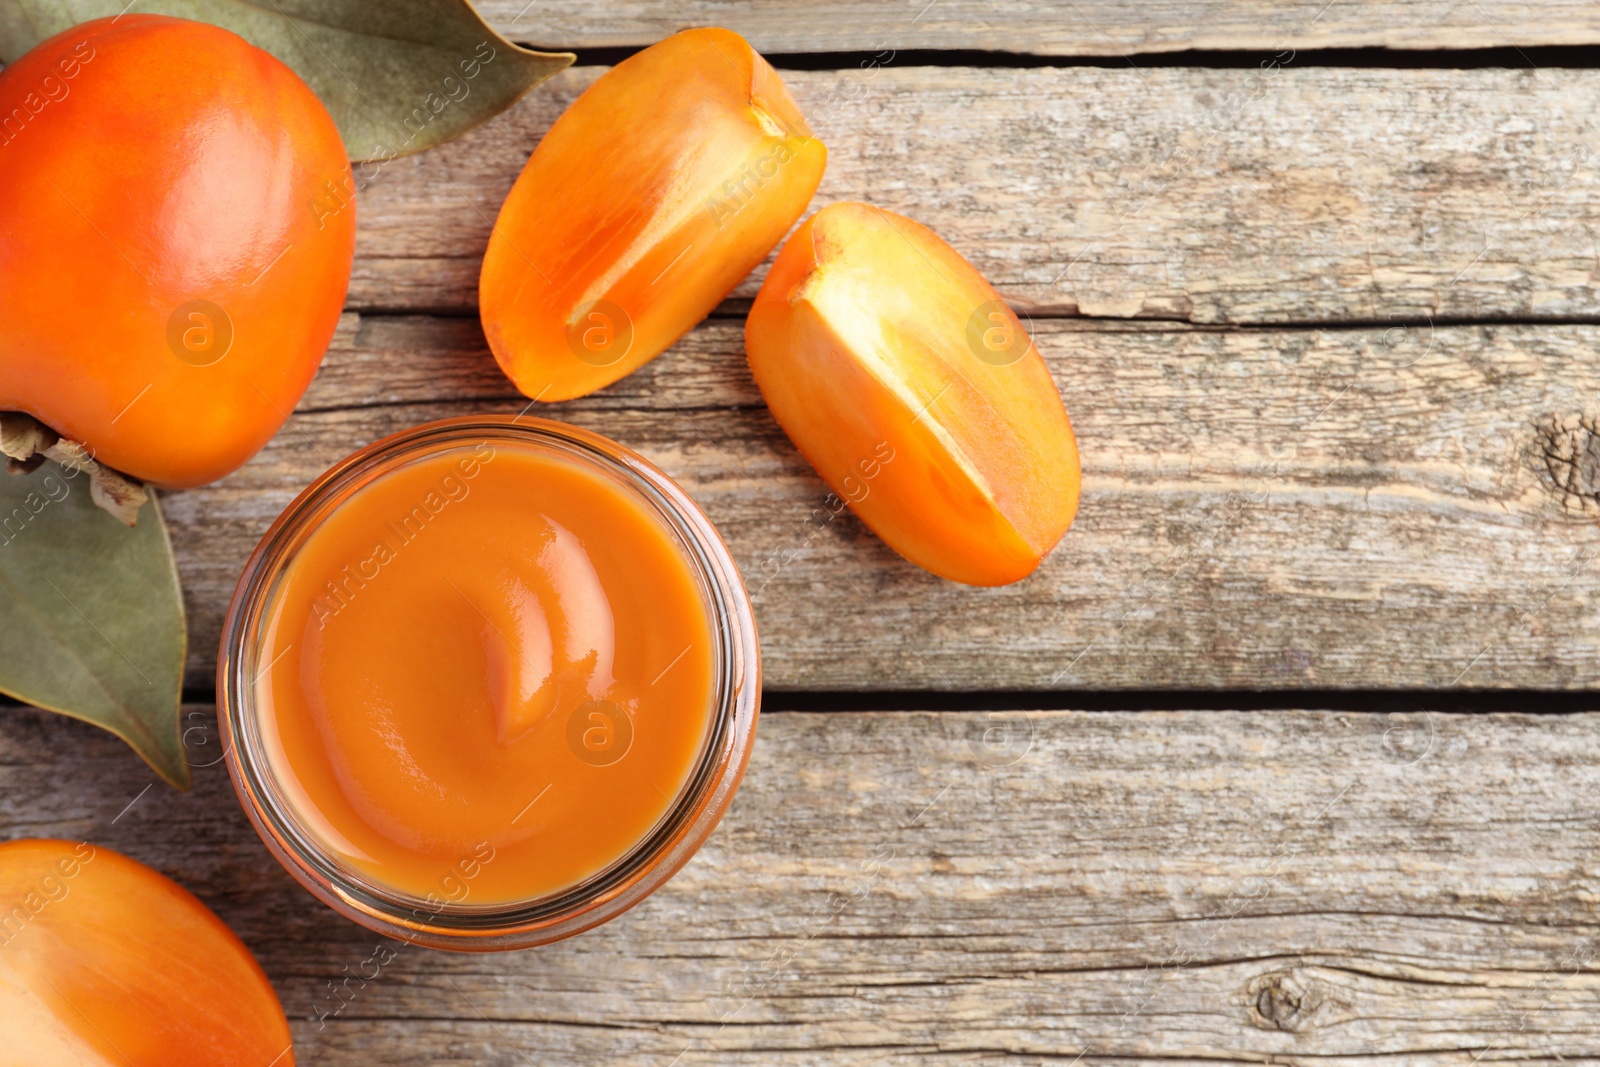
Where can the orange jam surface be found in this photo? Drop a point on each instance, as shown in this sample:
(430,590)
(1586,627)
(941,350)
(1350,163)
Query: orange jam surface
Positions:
(485,675)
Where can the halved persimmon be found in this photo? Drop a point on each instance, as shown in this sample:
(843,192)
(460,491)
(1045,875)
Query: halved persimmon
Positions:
(916,394)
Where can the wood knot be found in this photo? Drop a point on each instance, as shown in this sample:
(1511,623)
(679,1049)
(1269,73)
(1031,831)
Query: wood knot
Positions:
(1570,445)
(1281,1001)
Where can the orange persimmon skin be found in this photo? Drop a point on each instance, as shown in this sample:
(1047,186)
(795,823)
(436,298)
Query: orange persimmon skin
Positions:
(657,191)
(177,227)
(105,962)
(916,394)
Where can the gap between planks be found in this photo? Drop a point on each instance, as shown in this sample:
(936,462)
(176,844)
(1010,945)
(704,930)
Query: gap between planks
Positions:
(1545,57)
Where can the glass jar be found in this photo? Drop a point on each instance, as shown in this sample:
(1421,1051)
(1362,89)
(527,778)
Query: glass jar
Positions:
(445,919)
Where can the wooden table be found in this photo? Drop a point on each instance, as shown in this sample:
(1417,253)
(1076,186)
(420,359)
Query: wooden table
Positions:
(1330,334)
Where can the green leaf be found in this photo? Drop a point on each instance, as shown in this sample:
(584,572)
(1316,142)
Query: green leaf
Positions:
(398,76)
(91,619)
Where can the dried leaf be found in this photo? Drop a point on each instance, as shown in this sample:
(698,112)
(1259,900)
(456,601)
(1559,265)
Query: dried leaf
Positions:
(91,619)
(398,77)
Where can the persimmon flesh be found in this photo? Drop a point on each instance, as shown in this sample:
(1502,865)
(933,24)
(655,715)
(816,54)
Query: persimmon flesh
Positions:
(105,962)
(916,394)
(177,227)
(657,191)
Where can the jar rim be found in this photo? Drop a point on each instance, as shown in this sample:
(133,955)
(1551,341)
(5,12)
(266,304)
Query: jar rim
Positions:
(687,822)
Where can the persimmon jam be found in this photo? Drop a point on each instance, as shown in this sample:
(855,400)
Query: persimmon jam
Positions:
(485,675)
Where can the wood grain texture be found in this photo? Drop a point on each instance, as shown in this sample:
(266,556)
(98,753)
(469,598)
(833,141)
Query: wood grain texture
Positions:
(1212,196)
(901,888)
(1056,27)
(1261,508)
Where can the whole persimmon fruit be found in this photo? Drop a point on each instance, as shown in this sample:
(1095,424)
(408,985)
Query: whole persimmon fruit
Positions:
(176,238)
(106,962)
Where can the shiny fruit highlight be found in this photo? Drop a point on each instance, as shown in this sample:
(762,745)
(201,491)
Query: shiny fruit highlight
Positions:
(873,338)
(105,962)
(657,191)
(176,235)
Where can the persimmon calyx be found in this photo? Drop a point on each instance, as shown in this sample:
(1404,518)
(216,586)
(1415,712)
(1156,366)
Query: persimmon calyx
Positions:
(27,442)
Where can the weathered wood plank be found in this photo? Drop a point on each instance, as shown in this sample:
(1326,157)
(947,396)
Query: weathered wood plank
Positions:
(1261,508)
(1304,887)
(1055,27)
(1309,195)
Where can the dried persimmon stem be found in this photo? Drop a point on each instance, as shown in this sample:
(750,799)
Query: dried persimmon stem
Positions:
(27,442)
